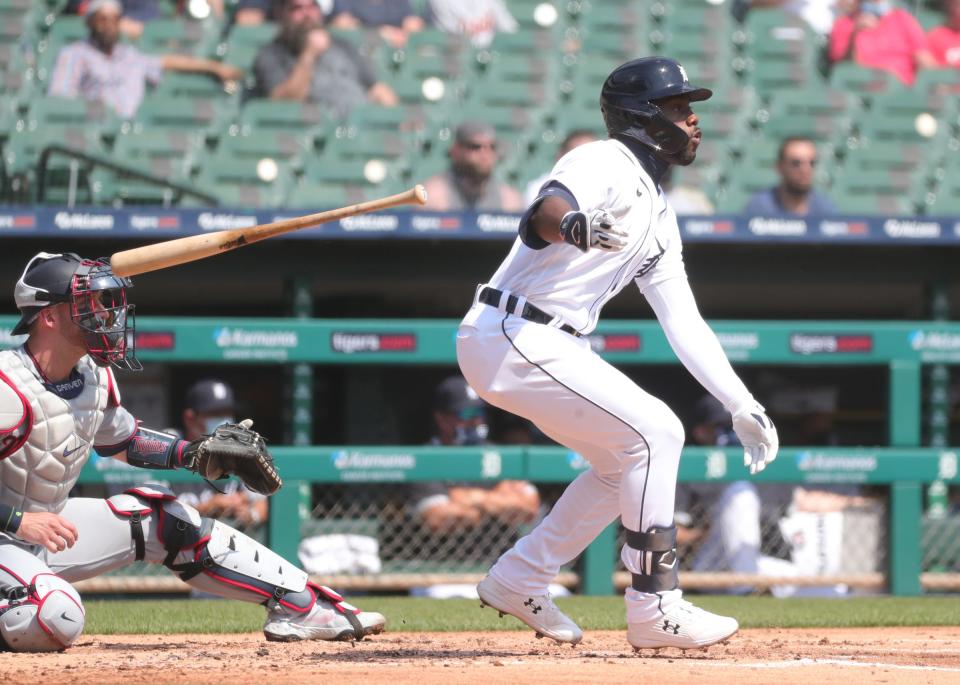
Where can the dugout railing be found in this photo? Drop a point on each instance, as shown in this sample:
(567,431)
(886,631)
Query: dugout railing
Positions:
(902,468)
(902,472)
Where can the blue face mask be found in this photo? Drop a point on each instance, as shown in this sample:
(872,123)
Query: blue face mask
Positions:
(877,7)
(211,423)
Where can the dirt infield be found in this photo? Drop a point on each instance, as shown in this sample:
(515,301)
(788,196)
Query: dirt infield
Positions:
(834,656)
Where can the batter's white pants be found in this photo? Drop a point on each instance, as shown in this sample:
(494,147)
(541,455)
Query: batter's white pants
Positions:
(631,439)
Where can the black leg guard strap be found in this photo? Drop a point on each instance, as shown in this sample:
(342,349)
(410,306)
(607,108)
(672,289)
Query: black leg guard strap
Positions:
(659,560)
(136,532)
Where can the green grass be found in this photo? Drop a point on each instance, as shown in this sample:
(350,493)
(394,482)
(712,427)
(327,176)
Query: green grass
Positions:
(592,613)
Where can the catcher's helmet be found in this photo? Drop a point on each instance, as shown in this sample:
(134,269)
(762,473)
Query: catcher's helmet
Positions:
(97,298)
(628,102)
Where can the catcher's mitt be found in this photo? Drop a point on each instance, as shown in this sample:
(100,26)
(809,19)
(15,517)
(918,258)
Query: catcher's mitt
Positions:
(235,449)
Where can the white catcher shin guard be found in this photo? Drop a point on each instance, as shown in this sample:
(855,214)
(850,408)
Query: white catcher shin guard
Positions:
(538,612)
(44,616)
(215,558)
(657,615)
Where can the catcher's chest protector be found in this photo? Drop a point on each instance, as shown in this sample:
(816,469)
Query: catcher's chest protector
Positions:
(38,475)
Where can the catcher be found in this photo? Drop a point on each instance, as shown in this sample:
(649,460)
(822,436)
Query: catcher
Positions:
(58,400)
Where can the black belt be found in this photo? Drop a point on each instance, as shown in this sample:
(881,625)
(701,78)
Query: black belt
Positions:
(492,297)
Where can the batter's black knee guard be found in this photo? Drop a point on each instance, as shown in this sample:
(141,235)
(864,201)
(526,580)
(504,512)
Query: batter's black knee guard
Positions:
(658,559)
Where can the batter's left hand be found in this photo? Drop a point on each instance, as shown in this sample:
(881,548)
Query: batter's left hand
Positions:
(758,436)
(593,229)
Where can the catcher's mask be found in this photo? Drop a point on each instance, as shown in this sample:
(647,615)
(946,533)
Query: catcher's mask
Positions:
(628,101)
(97,299)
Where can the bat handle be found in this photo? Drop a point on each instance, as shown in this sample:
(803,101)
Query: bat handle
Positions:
(420,194)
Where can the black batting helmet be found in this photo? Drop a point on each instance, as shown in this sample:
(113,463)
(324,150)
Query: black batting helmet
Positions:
(628,102)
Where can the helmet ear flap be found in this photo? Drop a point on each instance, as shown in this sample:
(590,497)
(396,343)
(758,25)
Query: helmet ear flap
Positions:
(647,126)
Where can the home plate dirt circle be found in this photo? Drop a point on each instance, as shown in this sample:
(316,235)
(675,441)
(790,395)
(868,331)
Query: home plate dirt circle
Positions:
(752,657)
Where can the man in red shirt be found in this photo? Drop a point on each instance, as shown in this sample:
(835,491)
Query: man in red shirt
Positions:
(880,36)
(945,40)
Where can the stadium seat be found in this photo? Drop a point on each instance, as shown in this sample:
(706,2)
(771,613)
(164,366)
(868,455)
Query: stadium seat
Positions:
(870,192)
(160,112)
(848,76)
(22,153)
(307,195)
(65,30)
(178,85)
(283,115)
(182,36)
(241,182)
(284,147)
(244,42)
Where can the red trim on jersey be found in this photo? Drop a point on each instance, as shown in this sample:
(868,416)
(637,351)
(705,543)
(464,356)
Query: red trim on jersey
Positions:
(9,442)
(36,365)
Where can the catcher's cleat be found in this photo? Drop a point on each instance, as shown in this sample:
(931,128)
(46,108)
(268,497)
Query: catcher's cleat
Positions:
(325,621)
(539,612)
(683,626)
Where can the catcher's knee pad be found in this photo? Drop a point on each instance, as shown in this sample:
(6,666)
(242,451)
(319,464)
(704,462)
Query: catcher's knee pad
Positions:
(658,560)
(44,616)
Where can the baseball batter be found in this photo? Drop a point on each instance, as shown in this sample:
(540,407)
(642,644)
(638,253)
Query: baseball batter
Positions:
(58,400)
(599,223)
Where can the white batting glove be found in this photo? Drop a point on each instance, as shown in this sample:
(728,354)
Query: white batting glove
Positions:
(594,229)
(758,436)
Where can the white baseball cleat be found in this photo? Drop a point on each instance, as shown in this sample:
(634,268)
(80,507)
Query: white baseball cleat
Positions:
(683,626)
(538,611)
(322,622)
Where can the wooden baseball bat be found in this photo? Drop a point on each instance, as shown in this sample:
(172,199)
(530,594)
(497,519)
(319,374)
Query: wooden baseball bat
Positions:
(140,260)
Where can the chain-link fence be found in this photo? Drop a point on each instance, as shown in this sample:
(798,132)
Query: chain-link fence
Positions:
(384,536)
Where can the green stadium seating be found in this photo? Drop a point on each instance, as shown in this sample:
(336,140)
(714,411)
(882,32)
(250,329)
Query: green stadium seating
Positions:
(330,169)
(244,42)
(160,112)
(284,147)
(66,29)
(203,86)
(169,155)
(851,77)
(181,36)
(299,117)
(945,81)
(306,195)
(47,111)
(22,152)
(237,180)
(884,191)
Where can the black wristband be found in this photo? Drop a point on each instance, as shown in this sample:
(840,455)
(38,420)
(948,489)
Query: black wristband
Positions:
(10,518)
(574,230)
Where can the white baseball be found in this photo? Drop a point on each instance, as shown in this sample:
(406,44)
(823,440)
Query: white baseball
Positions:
(375,171)
(432,88)
(545,14)
(926,124)
(267,170)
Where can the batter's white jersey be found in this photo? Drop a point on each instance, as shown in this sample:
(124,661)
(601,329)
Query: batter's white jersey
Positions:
(575,285)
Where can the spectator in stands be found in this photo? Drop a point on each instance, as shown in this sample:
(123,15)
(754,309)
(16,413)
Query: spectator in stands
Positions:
(879,36)
(210,403)
(819,14)
(575,138)
(136,13)
(460,419)
(944,40)
(102,68)
(477,20)
(470,181)
(685,200)
(796,162)
(393,19)
(304,62)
